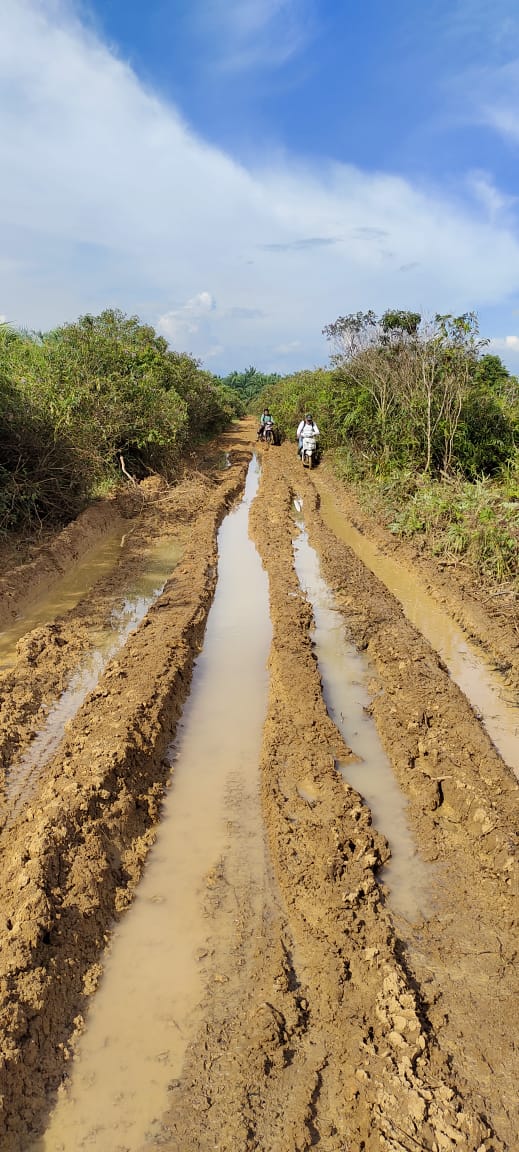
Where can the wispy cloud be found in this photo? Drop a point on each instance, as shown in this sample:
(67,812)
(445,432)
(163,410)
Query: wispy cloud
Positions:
(485,86)
(369,233)
(248,34)
(499,98)
(108,197)
(237,313)
(505,344)
(496,204)
(303,244)
(179,324)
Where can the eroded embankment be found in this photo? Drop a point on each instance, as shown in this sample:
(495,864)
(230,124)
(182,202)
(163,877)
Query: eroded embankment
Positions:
(50,560)
(330,1038)
(73,856)
(40,664)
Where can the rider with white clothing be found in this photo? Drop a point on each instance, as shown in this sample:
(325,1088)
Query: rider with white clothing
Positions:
(306,427)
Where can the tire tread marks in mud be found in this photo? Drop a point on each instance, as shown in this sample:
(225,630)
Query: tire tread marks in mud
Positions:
(330,1028)
(75,852)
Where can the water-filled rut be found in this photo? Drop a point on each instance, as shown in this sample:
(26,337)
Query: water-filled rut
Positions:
(126,1060)
(345,675)
(483,685)
(225,962)
(103,646)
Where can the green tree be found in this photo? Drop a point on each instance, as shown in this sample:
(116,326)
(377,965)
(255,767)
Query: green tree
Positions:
(250,383)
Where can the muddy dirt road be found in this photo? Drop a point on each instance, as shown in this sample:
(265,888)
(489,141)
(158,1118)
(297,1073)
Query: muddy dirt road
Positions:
(310,992)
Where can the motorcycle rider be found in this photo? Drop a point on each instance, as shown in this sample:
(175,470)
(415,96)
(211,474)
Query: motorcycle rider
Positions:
(265,419)
(307,427)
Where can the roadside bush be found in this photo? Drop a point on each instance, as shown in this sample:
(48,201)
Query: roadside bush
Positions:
(421,395)
(72,401)
(210,404)
(484,439)
(459,519)
(291,396)
(38,478)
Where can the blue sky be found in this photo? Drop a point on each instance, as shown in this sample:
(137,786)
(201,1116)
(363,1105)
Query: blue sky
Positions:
(241,172)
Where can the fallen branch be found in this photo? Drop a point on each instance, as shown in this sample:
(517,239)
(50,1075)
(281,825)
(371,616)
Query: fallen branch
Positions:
(123,469)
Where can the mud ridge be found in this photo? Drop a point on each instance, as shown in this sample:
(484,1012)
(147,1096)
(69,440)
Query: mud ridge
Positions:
(365,1067)
(327,1020)
(488,614)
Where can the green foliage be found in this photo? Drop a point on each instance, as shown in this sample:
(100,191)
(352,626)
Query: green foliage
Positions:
(459,519)
(420,395)
(291,396)
(110,382)
(249,383)
(75,399)
(210,404)
(395,320)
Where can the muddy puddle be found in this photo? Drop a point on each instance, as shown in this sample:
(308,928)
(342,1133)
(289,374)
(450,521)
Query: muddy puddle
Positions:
(345,675)
(483,686)
(146,588)
(66,592)
(148,1005)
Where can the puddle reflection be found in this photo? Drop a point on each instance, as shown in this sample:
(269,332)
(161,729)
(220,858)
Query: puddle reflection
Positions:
(482,686)
(65,593)
(344,674)
(147,1006)
(146,588)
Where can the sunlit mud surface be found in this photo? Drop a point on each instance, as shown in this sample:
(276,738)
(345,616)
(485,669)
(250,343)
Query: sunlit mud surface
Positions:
(107,643)
(482,686)
(200,967)
(66,592)
(345,673)
(147,1006)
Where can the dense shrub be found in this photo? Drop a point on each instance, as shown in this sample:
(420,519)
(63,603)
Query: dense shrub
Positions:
(74,400)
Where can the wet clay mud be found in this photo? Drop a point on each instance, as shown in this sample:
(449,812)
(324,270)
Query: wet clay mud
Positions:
(320,1015)
(125,1062)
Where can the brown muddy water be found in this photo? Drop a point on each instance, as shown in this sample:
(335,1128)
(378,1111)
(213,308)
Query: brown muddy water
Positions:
(482,685)
(148,1005)
(65,593)
(147,587)
(345,674)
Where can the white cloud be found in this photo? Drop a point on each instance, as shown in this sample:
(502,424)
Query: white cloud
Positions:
(505,344)
(181,323)
(499,98)
(489,94)
(288,347)
(496,204)
(213,352)
(108,198)
(507,347)
(247,34)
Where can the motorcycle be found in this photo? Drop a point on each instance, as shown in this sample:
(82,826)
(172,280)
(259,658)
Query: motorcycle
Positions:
(309,450)
(269,434)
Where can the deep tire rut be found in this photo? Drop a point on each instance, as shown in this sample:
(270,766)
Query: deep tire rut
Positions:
(326,1021)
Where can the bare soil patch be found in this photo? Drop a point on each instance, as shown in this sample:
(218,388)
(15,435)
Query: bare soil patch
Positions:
(326,1022)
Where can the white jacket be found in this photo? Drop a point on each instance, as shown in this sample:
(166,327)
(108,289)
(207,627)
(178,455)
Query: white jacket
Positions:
(303,426)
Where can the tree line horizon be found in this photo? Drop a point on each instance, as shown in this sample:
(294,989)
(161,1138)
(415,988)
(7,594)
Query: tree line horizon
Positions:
(399,392)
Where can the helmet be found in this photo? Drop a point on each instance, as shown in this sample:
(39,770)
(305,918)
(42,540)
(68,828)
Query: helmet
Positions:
(308,416)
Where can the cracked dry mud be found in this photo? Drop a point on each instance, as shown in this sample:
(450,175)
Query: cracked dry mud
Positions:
(326,1020)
